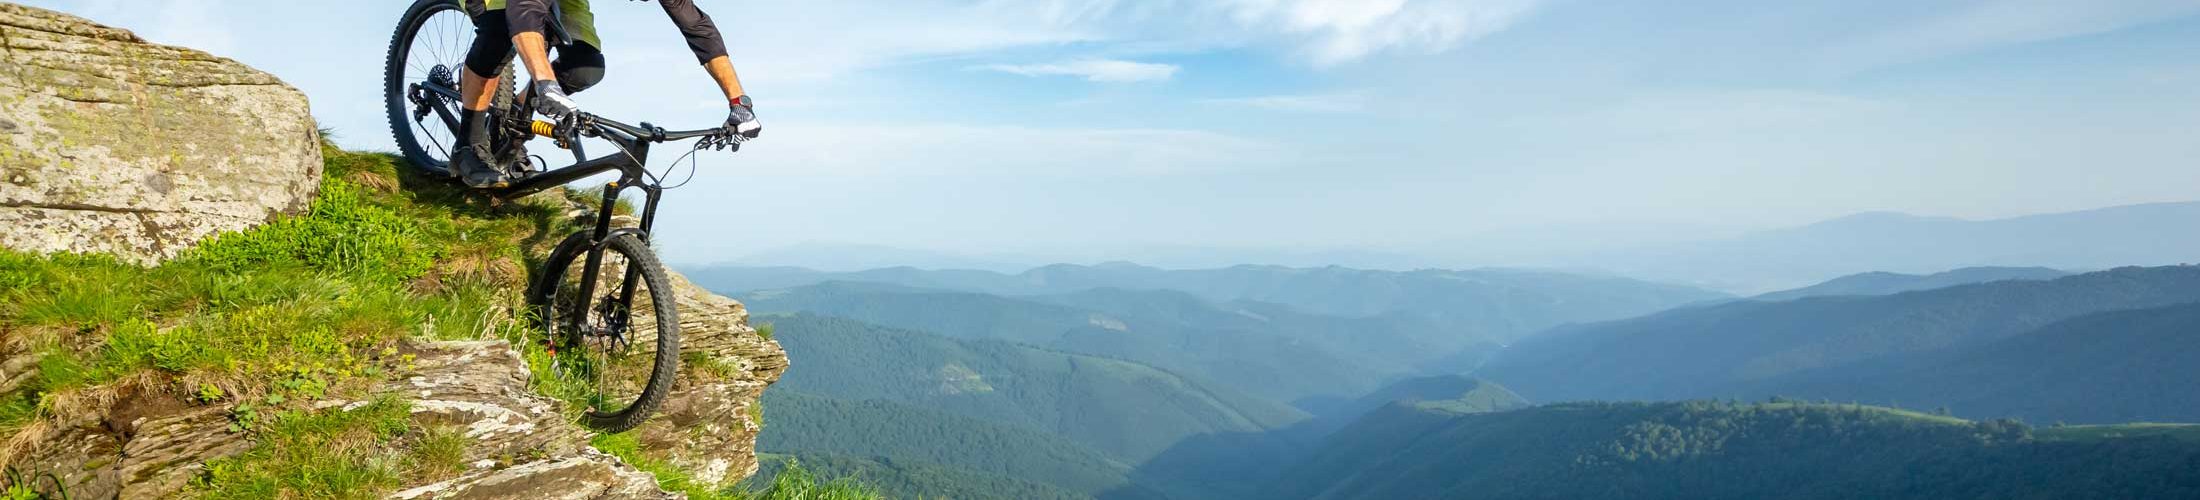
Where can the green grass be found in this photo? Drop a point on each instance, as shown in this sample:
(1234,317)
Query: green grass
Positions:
(2183,432)
(794,482)
(318,297)
(334,454)
(304,308)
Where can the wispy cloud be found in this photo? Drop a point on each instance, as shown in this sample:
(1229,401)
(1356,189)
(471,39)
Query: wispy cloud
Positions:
(1302,103)
(1096,70)
(1319,32)
(1339,31)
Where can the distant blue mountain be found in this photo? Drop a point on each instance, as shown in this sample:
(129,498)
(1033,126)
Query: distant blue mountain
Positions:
(1498,304)
(1885,283)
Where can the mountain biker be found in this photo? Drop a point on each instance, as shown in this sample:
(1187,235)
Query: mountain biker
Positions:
(501,26)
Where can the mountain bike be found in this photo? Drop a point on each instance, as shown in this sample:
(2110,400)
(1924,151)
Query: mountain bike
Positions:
(610,322)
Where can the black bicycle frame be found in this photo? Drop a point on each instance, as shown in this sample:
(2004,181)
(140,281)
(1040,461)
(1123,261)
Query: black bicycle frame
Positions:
(631,161)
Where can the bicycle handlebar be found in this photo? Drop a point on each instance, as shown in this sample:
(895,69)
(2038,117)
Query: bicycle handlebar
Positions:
(652,133)
(645,132)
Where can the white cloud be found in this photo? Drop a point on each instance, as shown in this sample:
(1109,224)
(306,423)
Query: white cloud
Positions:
(1097,70)
(1302,103)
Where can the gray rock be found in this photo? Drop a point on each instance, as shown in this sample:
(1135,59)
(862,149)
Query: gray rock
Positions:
(588,475)
(111,144)
(481,387)
(706,425)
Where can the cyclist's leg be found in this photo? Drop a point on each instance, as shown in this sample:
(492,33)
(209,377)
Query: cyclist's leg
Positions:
(478,89)
(485,60)
(579,66)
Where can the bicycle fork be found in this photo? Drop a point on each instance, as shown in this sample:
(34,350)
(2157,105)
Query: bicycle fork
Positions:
(601,242)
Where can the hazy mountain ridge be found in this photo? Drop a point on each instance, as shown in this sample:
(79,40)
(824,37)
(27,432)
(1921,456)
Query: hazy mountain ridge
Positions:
(1721,350)
(1495,303)
(1886,283)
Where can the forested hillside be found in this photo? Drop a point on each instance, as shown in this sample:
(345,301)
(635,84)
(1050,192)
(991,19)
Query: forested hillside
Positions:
(908,478)
(2120,366)
(1723,350)
(1128,411)
(1700,450)
(884,435)
(1284,357)
(1456,392)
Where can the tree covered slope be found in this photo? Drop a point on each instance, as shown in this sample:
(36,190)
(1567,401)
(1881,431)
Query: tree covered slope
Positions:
(2118,366)
(1281,355)
(1126,410)
(1713,450)
(887,436)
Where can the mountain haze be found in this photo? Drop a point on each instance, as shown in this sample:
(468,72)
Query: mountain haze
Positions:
(1721,350)
(1894,242)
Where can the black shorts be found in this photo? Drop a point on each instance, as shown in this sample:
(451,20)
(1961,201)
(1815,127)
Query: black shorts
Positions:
(578,64)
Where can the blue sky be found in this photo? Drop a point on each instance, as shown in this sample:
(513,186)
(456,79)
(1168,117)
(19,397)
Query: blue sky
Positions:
(1470,132)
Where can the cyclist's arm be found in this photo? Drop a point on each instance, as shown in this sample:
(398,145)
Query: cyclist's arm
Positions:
(708,45)
(529,19)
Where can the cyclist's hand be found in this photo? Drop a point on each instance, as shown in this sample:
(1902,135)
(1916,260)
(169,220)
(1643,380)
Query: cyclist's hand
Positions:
(550,100)
(742,119)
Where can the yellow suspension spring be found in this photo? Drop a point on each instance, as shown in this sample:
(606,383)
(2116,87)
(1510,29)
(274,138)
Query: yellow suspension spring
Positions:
(546,129)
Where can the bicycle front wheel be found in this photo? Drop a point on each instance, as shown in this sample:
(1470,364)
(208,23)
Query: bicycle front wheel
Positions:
(615,338)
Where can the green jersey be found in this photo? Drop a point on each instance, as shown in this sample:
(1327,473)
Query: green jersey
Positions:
(578,21)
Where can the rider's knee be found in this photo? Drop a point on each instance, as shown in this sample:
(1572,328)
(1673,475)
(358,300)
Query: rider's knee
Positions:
(579,67)
(578,79)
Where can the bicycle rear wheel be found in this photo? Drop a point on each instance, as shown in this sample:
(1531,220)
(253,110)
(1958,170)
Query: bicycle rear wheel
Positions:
(617,344)
(430,47)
